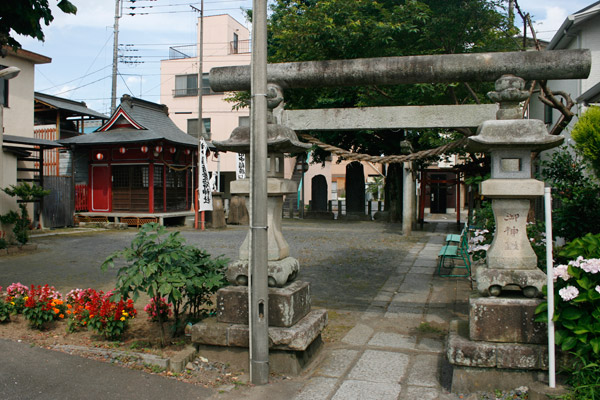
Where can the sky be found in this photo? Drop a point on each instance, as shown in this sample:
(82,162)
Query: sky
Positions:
(81,45)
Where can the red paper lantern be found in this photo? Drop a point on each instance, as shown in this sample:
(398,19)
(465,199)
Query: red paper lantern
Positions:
(187,152)
(122,150)
(172,150)
(144,149)
(99,156)
(158,149)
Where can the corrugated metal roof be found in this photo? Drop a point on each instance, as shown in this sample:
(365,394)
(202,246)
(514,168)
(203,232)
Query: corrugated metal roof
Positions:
(153,117)
(75,107)
(592,95)
(30,141)
(563,36)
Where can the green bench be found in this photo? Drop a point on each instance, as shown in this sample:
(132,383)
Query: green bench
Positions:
(456,248)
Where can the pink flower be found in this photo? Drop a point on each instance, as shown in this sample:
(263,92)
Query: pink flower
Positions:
(577,262)
(561,271)
(598,288)
(591,266)
(568,293)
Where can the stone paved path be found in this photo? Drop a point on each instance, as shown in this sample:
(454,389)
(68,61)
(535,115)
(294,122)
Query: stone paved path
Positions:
(385,355)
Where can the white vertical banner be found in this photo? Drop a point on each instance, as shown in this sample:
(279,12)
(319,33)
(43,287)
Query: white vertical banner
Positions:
(205,193)
(240,166)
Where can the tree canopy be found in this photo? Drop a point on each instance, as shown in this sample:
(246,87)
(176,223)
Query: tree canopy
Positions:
(302,30)
(25,16)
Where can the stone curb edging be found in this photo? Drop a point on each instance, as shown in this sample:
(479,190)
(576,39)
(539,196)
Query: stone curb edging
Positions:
(175,364)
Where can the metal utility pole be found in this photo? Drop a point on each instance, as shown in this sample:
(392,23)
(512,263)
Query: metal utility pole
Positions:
(200,66)
(258,282)
(113,94)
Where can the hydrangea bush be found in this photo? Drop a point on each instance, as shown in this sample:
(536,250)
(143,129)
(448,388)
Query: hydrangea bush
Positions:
(479,243)
(577,300)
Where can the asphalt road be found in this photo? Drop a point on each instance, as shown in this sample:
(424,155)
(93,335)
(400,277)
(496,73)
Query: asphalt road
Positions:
(29,373)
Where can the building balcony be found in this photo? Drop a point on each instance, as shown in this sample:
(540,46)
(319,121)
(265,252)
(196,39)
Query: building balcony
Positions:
(240,47)
(184,51)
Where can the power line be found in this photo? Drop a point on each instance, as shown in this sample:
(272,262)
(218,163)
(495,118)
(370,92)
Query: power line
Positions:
(132,14)
(127,86)
(185,4)
(95,58)
(78,78)
(82,86)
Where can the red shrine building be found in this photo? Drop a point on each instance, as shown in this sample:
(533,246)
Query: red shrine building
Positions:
(137,165)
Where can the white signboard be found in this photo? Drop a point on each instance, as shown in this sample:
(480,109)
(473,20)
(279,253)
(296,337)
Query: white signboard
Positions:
(205,190)
(240,166)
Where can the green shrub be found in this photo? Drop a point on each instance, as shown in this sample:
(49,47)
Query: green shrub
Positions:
(5,308)
(586,134)
(584,380)
(587,246)
(25,193)
(165,267)
(536,232)
(578,195)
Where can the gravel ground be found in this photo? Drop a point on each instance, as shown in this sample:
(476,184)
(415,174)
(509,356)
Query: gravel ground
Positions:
(346,262)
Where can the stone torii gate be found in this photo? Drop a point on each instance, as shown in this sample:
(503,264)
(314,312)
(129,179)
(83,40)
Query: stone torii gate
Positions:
(509,139)
(561,64)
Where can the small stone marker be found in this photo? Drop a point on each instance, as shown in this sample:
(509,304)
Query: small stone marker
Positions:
(319,193)
(355,189)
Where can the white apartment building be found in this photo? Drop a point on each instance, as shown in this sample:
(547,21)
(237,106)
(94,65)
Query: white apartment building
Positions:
(580,30)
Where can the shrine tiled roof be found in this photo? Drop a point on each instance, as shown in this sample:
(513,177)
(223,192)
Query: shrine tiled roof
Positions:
(135,120)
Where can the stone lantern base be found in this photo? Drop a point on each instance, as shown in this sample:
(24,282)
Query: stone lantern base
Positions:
(280,272)
(294,330)
(500,347)
(491,281)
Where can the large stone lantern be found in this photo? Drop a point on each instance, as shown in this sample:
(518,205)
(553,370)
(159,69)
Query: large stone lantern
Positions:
(502,344)
(280,140)
(511,140)
(294,329)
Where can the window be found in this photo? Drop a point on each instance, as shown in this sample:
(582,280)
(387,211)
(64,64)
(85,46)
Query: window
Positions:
(3,90)
(186,85)
(206,85)
(243,121)
(192,127)
(547,114)
(235,44)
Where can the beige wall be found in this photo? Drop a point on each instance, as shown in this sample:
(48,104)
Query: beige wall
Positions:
(8,177)
(218,33)
(17,119)
(18,116)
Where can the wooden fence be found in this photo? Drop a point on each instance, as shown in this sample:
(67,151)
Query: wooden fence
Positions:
(51,156)
(59,204)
